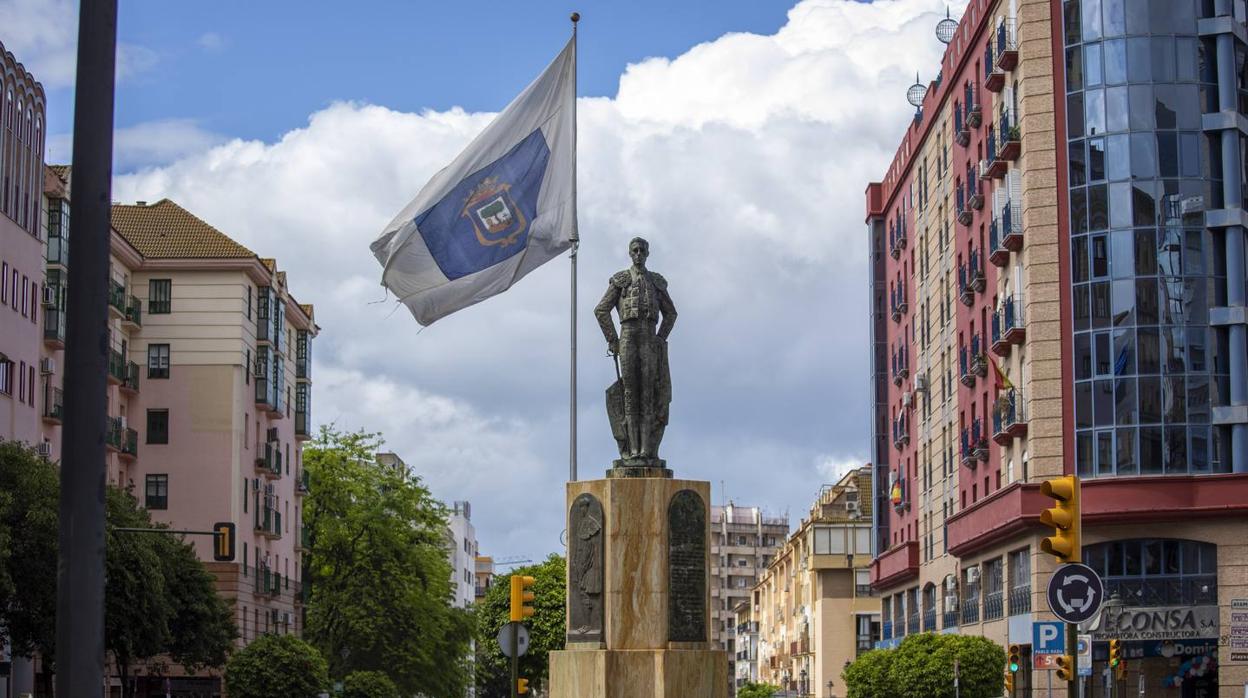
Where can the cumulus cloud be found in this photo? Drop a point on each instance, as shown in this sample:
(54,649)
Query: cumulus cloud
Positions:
(149,143)
(210,41)
(744,162)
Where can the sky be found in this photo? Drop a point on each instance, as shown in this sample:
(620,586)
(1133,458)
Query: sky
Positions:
(737,137)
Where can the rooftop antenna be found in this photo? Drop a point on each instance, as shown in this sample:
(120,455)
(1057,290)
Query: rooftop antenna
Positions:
(946,28)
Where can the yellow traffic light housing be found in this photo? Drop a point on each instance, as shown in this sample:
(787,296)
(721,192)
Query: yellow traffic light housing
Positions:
(1066,668)
(223,541)
(521,595)
(1015,660)
(1064,518)
(522,685)
(1115,659)
(1009,682)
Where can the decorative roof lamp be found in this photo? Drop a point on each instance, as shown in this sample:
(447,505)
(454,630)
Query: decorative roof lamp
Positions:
(915,95)
(946,28)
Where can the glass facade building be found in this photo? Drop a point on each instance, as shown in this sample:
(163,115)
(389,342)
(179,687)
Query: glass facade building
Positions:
(1148,270)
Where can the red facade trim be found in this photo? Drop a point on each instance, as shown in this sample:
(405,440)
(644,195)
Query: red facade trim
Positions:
(899,564)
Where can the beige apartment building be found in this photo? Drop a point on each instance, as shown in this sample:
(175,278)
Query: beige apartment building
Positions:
(813,608)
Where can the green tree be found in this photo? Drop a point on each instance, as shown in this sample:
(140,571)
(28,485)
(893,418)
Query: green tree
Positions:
(29,502)
(546,628)
(922,667)
(276,665)
(757,690)
(201,627)
(378,569)
(369,684)
(868,676)
(137,608)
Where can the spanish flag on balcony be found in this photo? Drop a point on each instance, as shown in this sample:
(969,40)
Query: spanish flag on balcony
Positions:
(1001,381)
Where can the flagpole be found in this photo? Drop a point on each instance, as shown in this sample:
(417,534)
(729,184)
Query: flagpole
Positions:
(576,241)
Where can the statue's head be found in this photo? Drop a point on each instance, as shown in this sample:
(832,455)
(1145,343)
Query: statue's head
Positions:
(638,250)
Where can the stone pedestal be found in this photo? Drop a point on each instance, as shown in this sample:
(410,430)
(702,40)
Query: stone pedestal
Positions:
(639,611)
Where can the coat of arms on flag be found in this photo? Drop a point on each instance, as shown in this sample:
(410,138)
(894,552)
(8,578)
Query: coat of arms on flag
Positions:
(495,217)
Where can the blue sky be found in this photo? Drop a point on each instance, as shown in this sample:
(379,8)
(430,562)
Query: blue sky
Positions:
(737,137)
(258,69)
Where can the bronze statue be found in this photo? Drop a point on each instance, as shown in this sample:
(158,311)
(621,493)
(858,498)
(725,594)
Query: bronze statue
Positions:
(637,403)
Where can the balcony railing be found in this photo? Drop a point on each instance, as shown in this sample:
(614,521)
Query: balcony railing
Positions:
(1008,418)
(54,405)
(1011,138)
(1007,46)
(269,461)
(1011,226)
(131,382)
(54,327)
(970,611)
(962,201)
(117,297)
(994,77)
(302,481)
(886,630)
(912,625)
(113,433)
(961,129)
(134,311)
(974,113)
(950,620)
(130,443)
(929,620)
(994,606)
(58,251)
(1020,600)
(116,366)
(979,440)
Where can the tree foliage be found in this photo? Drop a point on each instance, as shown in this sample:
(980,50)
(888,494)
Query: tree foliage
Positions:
(29,501)
(757,690)
(276,665)
(369,684)
(378,569)
(158,599)
(546,628)
(922,667)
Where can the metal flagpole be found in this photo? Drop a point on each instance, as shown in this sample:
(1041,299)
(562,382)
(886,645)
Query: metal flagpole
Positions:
(576,241)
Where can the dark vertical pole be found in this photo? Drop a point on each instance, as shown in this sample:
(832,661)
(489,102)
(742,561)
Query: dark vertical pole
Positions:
(1072,650)
(80,573)
(515,659)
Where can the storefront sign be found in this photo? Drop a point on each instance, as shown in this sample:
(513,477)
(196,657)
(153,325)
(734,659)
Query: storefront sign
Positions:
(1159,623)
(1239,630)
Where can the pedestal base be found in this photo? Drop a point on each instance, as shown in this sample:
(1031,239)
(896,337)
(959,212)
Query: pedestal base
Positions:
(671,673)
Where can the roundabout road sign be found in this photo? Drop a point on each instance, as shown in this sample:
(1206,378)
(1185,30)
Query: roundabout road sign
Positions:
(1075,593)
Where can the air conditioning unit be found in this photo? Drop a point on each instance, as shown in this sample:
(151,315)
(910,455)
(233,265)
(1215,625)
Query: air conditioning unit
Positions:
(907,399)
(920,384)
(983,169)
(47,366)
(851,505)
(44,449)
(49,296)
(972,575)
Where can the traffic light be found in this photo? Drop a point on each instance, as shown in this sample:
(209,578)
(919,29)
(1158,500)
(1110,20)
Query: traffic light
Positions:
(1115,659)
(1009,682)
(223,541)
(1016,659)
(1066,667)
(1064,518)
(521,594)
(522,685)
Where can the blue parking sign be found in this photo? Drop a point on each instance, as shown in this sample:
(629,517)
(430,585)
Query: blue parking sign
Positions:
(1048,637)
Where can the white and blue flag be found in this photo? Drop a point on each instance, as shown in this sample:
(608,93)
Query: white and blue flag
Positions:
(504,207)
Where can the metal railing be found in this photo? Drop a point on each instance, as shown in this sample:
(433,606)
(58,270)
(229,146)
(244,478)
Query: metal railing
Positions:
(134,311)
(1020,600)
(131,381)
(950,620)
(130,442)
(117,365)
(929,620)
(970,611)
(994,605)
(54,404)
(117,296)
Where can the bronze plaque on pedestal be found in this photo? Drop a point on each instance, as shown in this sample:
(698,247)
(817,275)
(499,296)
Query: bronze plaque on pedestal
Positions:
(686,550)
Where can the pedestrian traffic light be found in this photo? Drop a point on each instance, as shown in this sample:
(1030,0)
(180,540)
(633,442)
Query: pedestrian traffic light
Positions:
(1016,659)
(520,596)
(522,685)
(1064,518)
(1115,659)
(1065,667)
(223,541)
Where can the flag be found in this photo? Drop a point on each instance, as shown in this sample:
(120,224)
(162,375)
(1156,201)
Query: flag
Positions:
(504,207)
(1002,381)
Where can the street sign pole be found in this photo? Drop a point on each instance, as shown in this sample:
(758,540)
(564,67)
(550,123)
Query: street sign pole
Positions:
(1072,650)
(515,660)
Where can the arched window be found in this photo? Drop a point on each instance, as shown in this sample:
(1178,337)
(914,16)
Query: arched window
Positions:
(1156,571)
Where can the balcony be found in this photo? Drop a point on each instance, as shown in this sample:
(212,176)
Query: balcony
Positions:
(54,328)
(886,630)
(898,564)
(994,606)
(58,250)
(303,355)
(929,620)
(1020,600)
(965,215)
(901,432)
(268,523)
(131,382)
(994,77)
(900,365)
(974,113)
(116,367)
(1007,327)
(950,620)
(1009,420)
(974,193)
(113,433)
(129,444)
(979,440)
(134,313)
(998,253)
(1011,227)
(997,165)
(1011,143)
(54,406)
(965,375)
(303,430)
(304,543)
(961,129)
(116,299)
(269,463)
(970,611)
(912,624)
(967,452)
(1007,46)
(302,482)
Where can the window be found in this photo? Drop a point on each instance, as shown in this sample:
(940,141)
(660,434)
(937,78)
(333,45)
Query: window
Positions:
(157,492)
(158,426)
(6,376)
(158,361)
(248,302)
(159,296)
(4,288)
